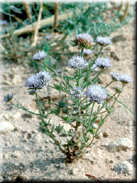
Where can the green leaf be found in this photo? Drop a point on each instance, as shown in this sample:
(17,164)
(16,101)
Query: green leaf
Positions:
(94,119)
(46,48)
(91,130)
(59,128)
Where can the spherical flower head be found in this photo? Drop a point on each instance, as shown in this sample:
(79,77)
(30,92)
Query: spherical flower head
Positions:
(87,52)
(77,92)
(124,78)
(103,63)
(39,55)
(103,41)
(38,81)
(84,40)
(77,62)
(115,76)
(96,93)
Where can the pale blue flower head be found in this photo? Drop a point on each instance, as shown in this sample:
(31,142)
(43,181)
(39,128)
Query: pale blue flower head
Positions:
(77,62)
(103,41)
(103,63)
(77,92)
(39,55)
(124,78)
(115,76)
(96,93)
(8,97)
(84,39)
(87,52)
(38,81)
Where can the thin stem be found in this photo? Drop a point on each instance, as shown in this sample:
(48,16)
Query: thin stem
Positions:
(91,113)
(54,72)
(38,103)
(49,68)
(82,52)
(115,99)
(112,97)
(97,75)
(109,83)
(59,43)
(98,54)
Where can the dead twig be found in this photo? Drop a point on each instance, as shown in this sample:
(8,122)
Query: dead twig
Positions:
(37,26)
(92,177)
(27,10)
(47,21)
(55,15)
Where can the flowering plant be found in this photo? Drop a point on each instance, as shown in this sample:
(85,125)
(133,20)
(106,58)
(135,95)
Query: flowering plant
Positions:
(85,99)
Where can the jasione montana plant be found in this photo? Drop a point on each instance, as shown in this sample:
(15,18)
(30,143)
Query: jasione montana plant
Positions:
(85,100)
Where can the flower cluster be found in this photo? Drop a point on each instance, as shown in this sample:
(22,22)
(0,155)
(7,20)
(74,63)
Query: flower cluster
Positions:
(77,92)
(115,76)
(124,78)
(38,81)
(85,40)
(39,55)
(103,41)
(103,63)
(96,93)
(77,62)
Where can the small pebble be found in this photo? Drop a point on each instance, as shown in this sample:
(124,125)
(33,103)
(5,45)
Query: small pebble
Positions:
(105,134)
(99,136)
(123,168)
(94,125)
(70,172)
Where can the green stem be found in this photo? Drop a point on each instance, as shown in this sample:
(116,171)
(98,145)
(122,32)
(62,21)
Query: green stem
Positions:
(54,72)
(91,113)
(97,75)
(98,54)
(82,52)
(38,104)
(115,99)
(112,97)
(109,83)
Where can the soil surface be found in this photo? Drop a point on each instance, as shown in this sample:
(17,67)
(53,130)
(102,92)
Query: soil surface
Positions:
(26,152)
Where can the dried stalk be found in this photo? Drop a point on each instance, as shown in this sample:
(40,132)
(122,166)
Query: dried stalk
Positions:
(27,10)
(120,7)
(126,11)
(37,26)
(55,15)
(19,20)
(122,17)
(47,21)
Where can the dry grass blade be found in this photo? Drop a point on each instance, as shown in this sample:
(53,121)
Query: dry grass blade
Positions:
(37,27)
(27,10)
(126,10)
(122,17)
(55,15)
(19,20)
(120,7)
